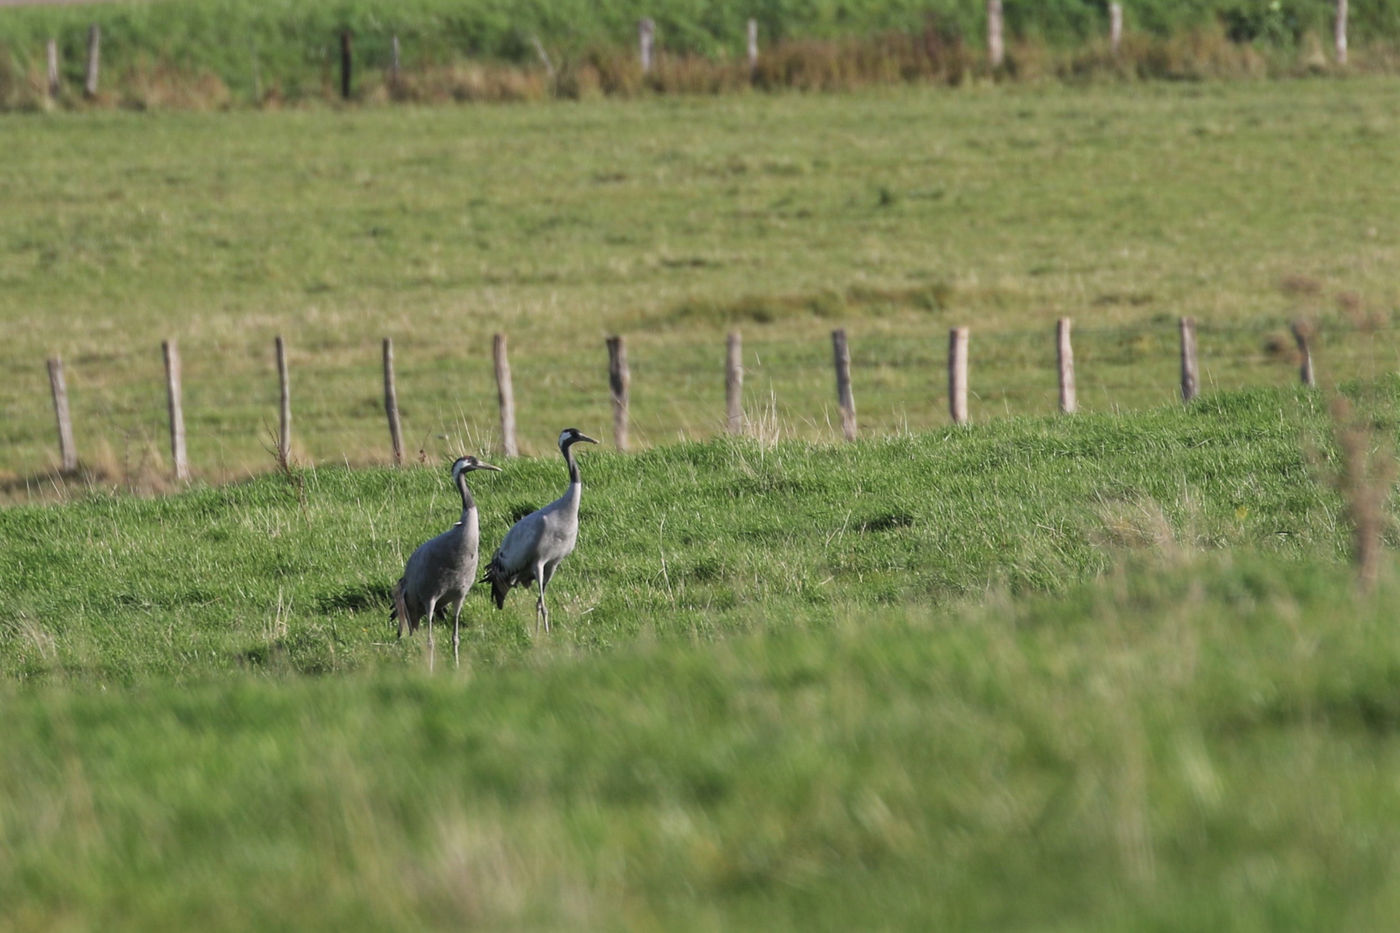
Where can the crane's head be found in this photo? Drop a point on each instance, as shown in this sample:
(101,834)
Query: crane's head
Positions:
(570,436)
(465,464)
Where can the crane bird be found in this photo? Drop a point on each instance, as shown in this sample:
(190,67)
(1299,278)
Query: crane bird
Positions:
(442,569)
(534,546)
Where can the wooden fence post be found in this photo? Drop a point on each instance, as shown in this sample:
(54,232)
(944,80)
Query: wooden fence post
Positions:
(68,455)
(345,64)
(93,59)
(646,36)
(391,401)
(734,382)
(1115,27)
(505,394)
(284,434)
(996,48)
(51,52)
(844,398)
(1301,332)
(1064,355)
(1340,32)
(171,351)
(753,45)
(1190,373)
(394,63)
(957,374)
(620,381)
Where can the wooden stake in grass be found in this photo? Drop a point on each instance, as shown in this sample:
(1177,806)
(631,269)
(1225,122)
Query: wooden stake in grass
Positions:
(620,382)
(52,53)
(345,64)
(646,36)
(68,455)
(1301,332)
(1190,374)
(391,402)
(753,46)
(1064,354)
(957,374)
(505,394)
(1339,34)
(93,58)
(734,382)
(844,398)
(171,352)
(394,64)
(284,434)
(1115,27)
(996,48)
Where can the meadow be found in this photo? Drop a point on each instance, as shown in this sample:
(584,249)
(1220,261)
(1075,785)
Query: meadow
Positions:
(896,213)
(1036,672)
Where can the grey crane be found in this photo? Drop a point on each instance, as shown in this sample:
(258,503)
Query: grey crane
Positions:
(534,546)
(442,569)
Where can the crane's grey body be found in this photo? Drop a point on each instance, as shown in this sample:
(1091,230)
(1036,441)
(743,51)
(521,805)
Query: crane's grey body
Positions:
(535,546)
(441,570)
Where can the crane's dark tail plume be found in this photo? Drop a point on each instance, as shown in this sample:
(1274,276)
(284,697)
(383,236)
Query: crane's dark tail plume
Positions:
(500,582)
(400,610)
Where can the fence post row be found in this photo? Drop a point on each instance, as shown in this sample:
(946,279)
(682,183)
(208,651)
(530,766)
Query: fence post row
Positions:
(844,398)
(94,54)
(67,453)
(619,380)
(734,382)
(284,434)
(957,374)
(505,395)
(391,402)
(171,351)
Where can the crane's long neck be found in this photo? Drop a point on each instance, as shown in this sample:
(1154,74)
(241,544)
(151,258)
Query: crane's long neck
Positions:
(575,490)
(468,503)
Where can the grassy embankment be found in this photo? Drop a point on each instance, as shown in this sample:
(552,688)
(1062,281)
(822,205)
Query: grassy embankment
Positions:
(894,214)
(1045,672)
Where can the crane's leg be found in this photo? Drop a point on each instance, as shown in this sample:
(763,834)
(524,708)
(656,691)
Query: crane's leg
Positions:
(432,607)
(400,608)
(541,610)
(457,631)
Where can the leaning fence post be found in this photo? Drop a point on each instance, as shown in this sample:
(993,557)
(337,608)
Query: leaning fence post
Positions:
(1190,373)
(171,351)
(844,398)
(1064,354)
(94,55)
(1301,332)
(284,434)
(734,382)
(51,51)
(957,374)
(505,394)
(996,49)
(646,35)
(68,455)
(620,382)
(391,401)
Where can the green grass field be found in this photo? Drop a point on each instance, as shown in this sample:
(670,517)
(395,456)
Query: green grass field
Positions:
(1105,671)
(896,214)
(1038,672)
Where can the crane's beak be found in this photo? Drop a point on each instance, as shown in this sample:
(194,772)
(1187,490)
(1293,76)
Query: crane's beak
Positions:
(486,466)
(585,437)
